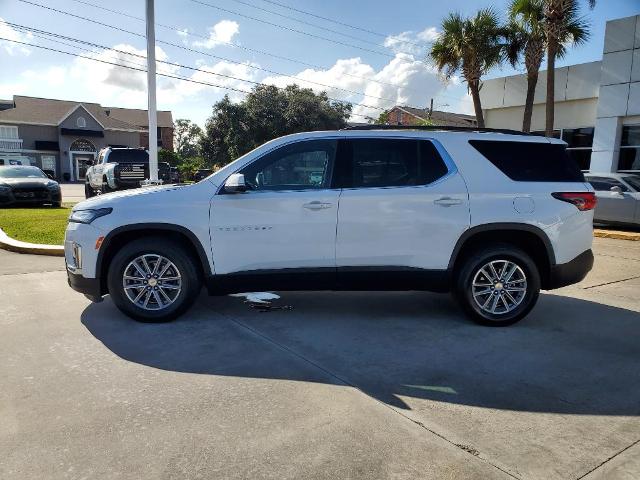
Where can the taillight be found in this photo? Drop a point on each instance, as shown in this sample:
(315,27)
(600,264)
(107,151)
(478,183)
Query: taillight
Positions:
(582,200)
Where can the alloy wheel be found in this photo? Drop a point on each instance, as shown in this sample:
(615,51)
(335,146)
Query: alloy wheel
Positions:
(499,287)
(152,282)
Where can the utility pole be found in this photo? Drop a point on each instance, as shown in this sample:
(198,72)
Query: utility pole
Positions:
(151,89)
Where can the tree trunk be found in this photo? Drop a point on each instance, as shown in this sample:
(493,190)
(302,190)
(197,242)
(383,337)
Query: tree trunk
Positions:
(475,94)
(532,81)
(551,77)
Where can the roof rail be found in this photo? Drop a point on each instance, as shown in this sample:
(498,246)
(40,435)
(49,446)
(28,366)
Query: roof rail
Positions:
(436,128)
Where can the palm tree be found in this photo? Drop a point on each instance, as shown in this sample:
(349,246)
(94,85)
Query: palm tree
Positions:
(559,17)
(526,35)
(472,46)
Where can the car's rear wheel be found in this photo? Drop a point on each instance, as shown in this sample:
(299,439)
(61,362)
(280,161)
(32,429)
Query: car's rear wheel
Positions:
(153,280)
(498,286)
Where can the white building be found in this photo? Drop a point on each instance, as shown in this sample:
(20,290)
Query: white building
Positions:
(597,109)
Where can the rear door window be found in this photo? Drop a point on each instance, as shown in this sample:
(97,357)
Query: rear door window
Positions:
(380,162)
(530,161)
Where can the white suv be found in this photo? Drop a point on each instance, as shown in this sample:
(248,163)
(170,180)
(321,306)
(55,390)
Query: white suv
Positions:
(491,216)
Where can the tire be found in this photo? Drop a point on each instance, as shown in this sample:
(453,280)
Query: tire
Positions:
(88,191)
(56,204)
(105,188)
(511,304)
(183,267)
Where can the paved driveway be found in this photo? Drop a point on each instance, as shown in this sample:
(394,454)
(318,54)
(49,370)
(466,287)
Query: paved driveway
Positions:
(345,385)
(72,192)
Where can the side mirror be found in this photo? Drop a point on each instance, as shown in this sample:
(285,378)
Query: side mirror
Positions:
(235,184)
(616,189)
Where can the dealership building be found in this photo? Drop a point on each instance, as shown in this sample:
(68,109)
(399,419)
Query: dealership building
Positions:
(597,104)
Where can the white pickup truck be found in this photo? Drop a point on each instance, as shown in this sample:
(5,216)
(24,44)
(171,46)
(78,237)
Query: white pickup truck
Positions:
(120,169)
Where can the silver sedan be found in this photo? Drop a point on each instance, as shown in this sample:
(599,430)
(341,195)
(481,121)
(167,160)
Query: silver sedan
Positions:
(618,198)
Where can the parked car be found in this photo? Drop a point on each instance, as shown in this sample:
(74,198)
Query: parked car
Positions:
(174,175)
(201,174)
(120,169)
(493,217)
(26,185)
(618,198)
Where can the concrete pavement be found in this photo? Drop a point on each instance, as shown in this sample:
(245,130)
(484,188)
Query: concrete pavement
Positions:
(345,385)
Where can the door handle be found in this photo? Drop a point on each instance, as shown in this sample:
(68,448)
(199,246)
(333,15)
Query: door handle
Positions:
(447,201)
(316,205)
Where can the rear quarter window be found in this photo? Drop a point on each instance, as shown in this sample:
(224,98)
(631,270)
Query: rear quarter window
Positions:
(128,156)
(530,161)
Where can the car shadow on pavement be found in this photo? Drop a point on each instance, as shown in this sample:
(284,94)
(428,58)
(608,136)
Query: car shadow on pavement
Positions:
(569,356)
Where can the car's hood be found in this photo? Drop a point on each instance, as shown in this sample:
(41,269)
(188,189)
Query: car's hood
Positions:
(110,199)
(24,182)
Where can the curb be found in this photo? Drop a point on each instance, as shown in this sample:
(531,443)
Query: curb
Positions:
(618,235)
(8,243)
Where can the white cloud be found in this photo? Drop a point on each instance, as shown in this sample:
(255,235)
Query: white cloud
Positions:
(183,34)
(221,32)
(10,33)
(219,74)
(411,42)
(429,34)
(403,81)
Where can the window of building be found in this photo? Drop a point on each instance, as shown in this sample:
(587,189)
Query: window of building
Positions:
(49,164)
(630,148)
(81,122)
(579,143)
(398,117)
(8,132)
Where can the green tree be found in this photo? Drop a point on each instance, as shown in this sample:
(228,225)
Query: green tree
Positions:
(187,138)
(472,46)
(266,113)
(560,17)
(189,166)
(172,158)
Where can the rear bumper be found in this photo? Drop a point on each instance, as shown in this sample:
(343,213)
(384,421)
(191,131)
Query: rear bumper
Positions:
(90,287)
(571,272)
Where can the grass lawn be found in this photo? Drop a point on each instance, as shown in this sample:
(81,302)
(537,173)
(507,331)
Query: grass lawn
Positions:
(36,225)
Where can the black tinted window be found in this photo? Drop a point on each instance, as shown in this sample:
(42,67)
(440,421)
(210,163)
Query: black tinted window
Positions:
(298,166)
(530,161)
(603,184)
(118,156)
(376,162)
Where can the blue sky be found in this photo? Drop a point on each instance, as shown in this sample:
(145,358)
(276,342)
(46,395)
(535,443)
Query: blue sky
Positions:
(398,74)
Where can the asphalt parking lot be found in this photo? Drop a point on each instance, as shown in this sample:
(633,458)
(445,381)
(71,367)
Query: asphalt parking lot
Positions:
(345,385)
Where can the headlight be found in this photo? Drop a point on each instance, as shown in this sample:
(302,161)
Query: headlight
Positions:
(53,185)
(88,216)
(4,189)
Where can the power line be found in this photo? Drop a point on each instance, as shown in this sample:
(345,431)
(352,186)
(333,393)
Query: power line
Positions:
(218,57)
(97,45)
(315,25)
(183,47)
(175,77)
(337,22)
(235,45)
(284,27)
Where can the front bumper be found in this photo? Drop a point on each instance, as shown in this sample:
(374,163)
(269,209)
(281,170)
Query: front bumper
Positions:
(90,287)
(30,197)
(571,272)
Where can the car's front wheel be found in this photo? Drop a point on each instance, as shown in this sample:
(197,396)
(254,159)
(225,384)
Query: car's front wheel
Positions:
(498,286)
(153,280)
(88,191)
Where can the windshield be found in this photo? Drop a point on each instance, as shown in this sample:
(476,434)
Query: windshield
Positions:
(634,181)
(21,172)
